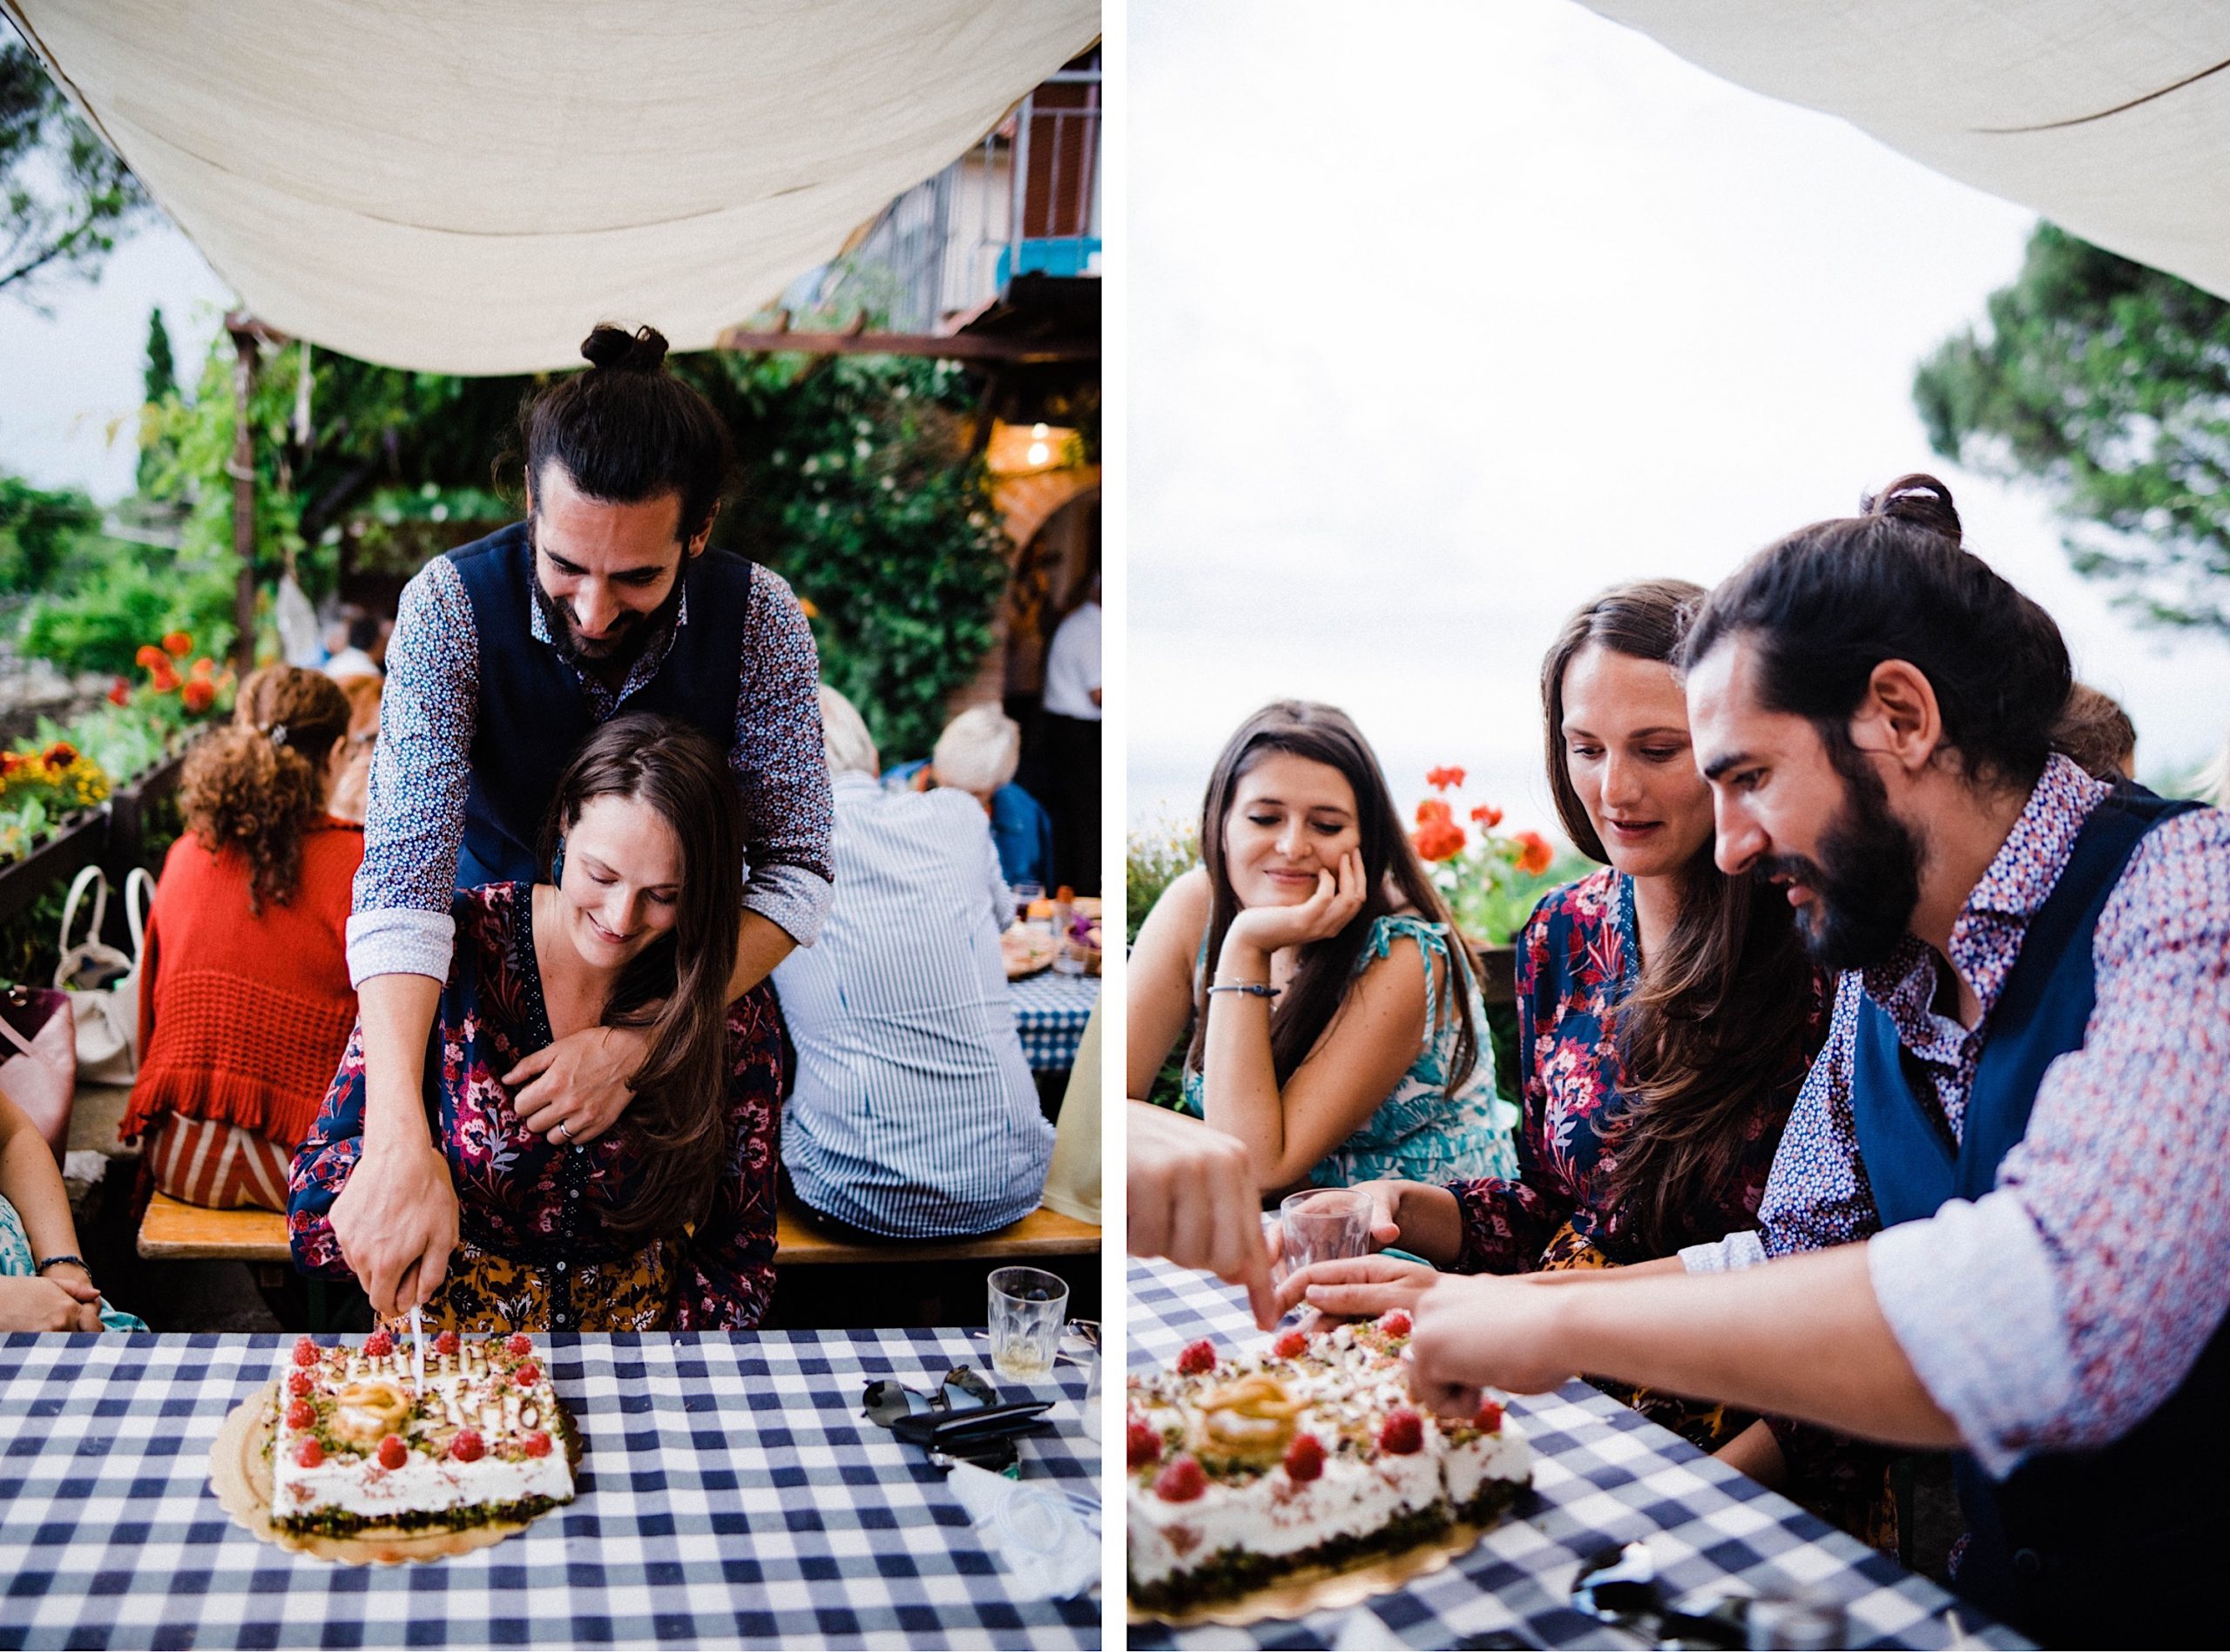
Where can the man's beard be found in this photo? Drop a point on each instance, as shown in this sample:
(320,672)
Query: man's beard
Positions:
(633,635)
(1866,881)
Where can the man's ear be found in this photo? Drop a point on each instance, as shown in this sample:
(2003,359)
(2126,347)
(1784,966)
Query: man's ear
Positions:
(1898,717)
(703,536)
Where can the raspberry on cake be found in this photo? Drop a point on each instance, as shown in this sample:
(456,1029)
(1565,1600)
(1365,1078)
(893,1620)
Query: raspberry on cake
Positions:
(1306,1454)
(358,1443)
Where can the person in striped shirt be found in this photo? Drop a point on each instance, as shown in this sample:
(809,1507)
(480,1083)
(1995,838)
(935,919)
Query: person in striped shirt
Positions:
(914,1116)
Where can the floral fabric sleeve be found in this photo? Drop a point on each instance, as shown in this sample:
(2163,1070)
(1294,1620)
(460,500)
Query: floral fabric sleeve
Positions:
(1508,1223)
(322,1165)
(728,1272)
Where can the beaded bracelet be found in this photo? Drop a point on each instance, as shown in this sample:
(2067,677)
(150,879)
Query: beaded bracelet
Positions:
(56,1262)
(1252,988)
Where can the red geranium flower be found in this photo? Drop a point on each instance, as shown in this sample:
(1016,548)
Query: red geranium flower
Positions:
(162,679)
(120,693)
(1441,840)
(179,644)
(1534,854)
(148,657)
(199,694)
(1443,780)
(60,755)
(204,667)
(1488,816)
(1435,812)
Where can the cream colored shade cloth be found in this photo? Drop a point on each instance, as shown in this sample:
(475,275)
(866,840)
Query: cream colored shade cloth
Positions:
(466,185)
(2111,117)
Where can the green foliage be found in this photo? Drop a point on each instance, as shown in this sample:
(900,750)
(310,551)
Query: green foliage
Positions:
(2108,383)
(136,595)
(39,530)
(64,199)
(1152,860)
(160,382)
(863,497)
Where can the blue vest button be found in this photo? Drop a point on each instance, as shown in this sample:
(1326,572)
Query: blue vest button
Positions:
(2028,1563)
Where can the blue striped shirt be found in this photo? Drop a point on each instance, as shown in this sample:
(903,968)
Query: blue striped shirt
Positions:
(915,1116)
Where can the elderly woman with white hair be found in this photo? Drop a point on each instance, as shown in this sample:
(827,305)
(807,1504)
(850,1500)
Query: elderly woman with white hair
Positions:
(914,1116)
(978,753)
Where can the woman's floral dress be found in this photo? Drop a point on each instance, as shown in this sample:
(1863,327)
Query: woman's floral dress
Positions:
(1419,1132)
(535,1252)
(1578,959)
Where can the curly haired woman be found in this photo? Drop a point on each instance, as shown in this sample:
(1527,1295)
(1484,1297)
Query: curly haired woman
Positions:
(245,1004)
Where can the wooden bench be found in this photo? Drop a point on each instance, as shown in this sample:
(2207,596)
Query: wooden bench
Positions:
(173,1232)
(1042,1233)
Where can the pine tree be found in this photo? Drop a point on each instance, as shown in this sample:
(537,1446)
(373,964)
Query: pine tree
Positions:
(162,383)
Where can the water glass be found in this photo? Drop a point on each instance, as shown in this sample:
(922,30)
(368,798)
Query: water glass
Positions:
(1024,894)
(1324,1224)
(1799,1621)
(1028,1308)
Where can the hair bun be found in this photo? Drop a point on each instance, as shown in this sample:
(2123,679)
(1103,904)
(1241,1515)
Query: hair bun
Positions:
(641,351)
(1921,500)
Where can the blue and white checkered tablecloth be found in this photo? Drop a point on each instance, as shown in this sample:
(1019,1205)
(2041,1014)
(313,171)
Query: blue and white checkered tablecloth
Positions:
(1602,1476)
(730,1493)
(1050,1011)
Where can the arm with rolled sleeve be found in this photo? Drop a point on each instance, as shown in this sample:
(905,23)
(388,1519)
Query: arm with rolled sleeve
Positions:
(779,759)
(2060,1309)
(422,769)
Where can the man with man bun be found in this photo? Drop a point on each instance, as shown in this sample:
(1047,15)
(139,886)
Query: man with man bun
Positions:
(1994,1224)
(506,653)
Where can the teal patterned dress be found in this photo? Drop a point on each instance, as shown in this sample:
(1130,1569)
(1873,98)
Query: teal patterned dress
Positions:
(1420,1132)
(18,1262)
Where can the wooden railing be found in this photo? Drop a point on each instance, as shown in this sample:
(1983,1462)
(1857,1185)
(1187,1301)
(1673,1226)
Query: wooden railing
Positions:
(111,837)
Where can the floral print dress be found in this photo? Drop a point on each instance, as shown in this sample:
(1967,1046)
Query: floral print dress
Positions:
(1419,1132)
(1580,957)
(535,1251)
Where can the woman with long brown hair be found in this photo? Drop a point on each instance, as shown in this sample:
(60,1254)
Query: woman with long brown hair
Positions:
(666,1220)
(1668,1016)
(245,1003)
(1337,1029)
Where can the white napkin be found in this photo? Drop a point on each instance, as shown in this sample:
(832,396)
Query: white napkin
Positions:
(1034,1531)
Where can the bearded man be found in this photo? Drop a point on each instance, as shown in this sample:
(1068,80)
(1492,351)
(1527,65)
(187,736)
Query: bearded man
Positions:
(506,653)
(1996,1221)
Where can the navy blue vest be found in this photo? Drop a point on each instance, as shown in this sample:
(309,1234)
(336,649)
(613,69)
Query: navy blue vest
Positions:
(2117,1546)
(534,711)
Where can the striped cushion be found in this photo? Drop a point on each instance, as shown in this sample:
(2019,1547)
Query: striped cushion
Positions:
(216,1165)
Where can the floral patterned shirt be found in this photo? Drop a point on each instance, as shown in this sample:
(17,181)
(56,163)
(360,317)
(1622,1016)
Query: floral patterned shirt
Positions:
(2059,1310)
(524,1196)
(422,768)
(1578,959)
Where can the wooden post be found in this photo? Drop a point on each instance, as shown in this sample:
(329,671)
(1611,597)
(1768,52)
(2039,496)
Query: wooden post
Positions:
(241,468)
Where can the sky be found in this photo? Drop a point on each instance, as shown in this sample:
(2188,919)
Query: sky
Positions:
(70,382)
(1444,317)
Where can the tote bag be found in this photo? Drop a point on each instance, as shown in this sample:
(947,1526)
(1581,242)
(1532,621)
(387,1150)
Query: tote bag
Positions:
(38,1059)
(103,983)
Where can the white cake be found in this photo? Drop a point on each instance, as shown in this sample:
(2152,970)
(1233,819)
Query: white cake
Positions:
(1245,1466)
(358,1441)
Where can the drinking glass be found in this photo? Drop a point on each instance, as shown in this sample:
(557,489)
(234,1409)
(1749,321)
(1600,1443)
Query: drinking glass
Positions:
(1324,1224)
(1024,894)
(1028,1307)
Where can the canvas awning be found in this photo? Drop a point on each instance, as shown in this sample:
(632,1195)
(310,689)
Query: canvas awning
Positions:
(2111,117)
(467,188)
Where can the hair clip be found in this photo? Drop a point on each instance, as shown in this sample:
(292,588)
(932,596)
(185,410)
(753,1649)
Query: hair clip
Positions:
(277,733)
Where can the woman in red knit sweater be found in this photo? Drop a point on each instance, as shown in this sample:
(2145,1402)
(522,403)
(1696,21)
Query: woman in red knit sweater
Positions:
(245,1004)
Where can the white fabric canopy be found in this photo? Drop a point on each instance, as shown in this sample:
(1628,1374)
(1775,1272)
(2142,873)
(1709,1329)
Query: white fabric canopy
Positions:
(466,185)
(2111,117)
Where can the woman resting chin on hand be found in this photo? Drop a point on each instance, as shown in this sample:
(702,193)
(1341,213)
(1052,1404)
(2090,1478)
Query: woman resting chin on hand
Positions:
(35,1228)
(1336,1021)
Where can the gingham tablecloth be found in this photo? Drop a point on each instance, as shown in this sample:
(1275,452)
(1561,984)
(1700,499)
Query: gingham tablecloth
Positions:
(1602,1476)
(1050,1011)
(730,1493)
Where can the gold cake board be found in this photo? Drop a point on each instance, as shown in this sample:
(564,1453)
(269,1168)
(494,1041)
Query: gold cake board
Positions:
(1326,1588)
(239,1472)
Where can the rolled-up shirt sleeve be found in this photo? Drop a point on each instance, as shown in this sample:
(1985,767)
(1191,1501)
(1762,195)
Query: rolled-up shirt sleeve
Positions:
(780,758)
(422,769)
(2060,1310)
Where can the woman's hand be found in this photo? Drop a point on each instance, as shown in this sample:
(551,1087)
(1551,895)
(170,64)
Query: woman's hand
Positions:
(1385,1199)
(1357,1287)
(1329,910)
(32,1303)
(574,1089)
(76,1278)
(1482,1331)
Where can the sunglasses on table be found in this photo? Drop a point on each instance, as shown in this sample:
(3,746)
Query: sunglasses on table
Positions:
(960,1420)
